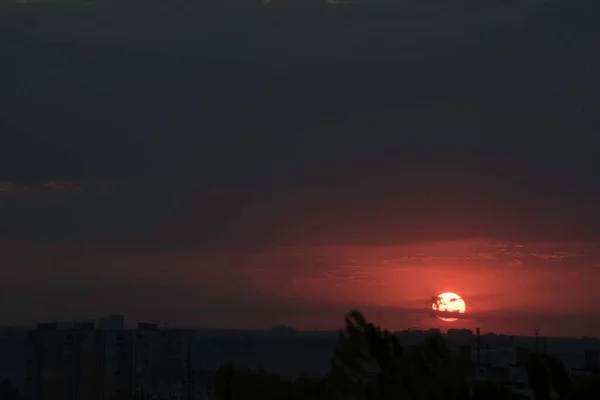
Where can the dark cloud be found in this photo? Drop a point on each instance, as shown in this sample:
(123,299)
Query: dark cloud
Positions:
(240,166)
(217,142)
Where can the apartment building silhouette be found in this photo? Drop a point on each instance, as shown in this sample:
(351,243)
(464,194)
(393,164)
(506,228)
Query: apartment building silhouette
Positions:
(76,361)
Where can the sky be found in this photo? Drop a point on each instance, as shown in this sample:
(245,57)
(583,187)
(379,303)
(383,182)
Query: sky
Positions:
(245,165)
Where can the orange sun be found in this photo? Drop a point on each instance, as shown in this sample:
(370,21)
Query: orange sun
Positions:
(447,303)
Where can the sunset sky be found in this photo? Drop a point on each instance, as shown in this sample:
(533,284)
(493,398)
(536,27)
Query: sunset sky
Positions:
(252,166)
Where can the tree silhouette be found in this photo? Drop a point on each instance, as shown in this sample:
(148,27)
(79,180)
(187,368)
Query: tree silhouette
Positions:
(365,355)
(547,374)
(242,383)
(368,364)
(223,382)
(8,392)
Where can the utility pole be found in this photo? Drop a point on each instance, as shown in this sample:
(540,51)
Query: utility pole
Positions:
(38,343)
(78,351)
(478,331)
(537,340)
(189,372)
(103,335)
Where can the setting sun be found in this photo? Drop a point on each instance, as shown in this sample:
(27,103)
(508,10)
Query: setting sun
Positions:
(448,302)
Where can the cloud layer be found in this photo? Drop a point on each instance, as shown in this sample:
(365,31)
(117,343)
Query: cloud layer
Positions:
(380,143)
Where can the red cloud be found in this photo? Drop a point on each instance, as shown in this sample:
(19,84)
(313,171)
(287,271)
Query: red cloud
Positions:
(10,188)
(53,186)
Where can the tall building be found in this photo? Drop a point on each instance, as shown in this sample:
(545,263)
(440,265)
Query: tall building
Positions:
(162,362)
(13,355)
(64,362)
(112,323)
(118,358)
(74,361)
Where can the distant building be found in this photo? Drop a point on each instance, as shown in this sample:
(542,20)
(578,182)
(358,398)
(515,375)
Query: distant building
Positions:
(590,366)
(465,352)
(459,335)
(481,372)
(433,331)
(283,331)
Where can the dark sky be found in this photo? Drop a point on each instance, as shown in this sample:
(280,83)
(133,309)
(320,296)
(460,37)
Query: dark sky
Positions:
(197,163)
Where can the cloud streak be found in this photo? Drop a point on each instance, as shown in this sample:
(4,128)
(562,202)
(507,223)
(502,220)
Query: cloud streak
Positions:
(8,188)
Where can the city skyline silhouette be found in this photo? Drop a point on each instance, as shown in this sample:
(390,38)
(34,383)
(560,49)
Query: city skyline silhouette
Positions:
(242,174)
